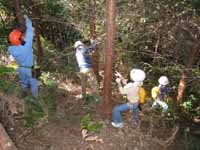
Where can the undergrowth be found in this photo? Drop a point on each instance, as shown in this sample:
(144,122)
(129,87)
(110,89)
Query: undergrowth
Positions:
(90,125)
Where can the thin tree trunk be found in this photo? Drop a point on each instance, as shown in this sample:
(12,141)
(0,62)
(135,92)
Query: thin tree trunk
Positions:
(39,52)
(157,45)
(5,141)
(110,12)
(95,55)
(156,48)
(186,72)
(3,21)
(19,16)
(39,46)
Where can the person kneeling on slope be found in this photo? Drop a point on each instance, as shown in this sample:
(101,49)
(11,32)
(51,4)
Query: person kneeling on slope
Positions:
(132,91)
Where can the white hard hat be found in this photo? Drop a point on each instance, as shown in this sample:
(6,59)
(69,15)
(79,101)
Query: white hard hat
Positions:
(163,80)
(137,75)
(77,44)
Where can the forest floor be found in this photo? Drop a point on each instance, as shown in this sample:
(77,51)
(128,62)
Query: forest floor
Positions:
(62,129)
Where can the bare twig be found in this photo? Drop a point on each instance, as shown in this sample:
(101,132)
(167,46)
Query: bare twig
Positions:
(168,141)
(57,20)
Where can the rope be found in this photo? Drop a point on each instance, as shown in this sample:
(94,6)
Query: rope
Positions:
(57,20)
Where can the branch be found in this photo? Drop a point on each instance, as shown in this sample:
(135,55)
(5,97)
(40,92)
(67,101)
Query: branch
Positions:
(168,141)
(57,20)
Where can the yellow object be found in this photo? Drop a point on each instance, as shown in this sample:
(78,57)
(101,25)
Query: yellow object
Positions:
(155,92)
(13,65)
(142,95)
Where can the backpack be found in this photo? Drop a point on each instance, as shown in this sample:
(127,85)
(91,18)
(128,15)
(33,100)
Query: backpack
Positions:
(142,95)
(155,92)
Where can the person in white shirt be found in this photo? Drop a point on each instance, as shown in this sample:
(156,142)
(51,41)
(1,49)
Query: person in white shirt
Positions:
(131,90)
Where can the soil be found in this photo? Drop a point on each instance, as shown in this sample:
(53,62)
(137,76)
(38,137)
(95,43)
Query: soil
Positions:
(62,130)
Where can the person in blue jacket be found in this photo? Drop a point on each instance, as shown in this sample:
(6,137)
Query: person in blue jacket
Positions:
(85,66)
(22,52)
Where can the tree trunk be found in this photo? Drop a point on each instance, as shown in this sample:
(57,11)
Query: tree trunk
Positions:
(158,32)
(5,141)
(186,72)
(39,52)
(20,17)
(39,46)
(110,29)
(95,55)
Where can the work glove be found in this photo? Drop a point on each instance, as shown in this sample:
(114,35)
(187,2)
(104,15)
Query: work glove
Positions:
(118,80)
(25,16)
(92,41)
(173,88)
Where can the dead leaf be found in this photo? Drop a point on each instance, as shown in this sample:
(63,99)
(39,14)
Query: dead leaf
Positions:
(84,133)
(94,138)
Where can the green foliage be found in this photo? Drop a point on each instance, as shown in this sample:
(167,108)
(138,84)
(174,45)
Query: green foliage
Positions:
(92,126)
(62,61)
(92,99)
(155,21)
(55,8)
(173,113)
(193,86)
(47,97)
(153,72)
(140,25)
(5,24)
(192,138)
(4,85)
(7,85)
(49,101)
(4,70)
(33,113)
(57,23)
(47,79)
(189,107)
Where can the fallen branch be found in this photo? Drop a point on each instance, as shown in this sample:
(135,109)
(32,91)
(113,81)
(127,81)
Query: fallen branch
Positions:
(172,137)
(87,137)
(168,141)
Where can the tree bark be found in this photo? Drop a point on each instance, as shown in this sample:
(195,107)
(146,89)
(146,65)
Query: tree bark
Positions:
(20,17)
(39,51)
(158,32)
(95,55)
(110,29)
(186,72)
(5,141)
(39,46)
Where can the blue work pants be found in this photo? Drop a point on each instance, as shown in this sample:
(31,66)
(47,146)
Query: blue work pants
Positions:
(116,113)
(26,80)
